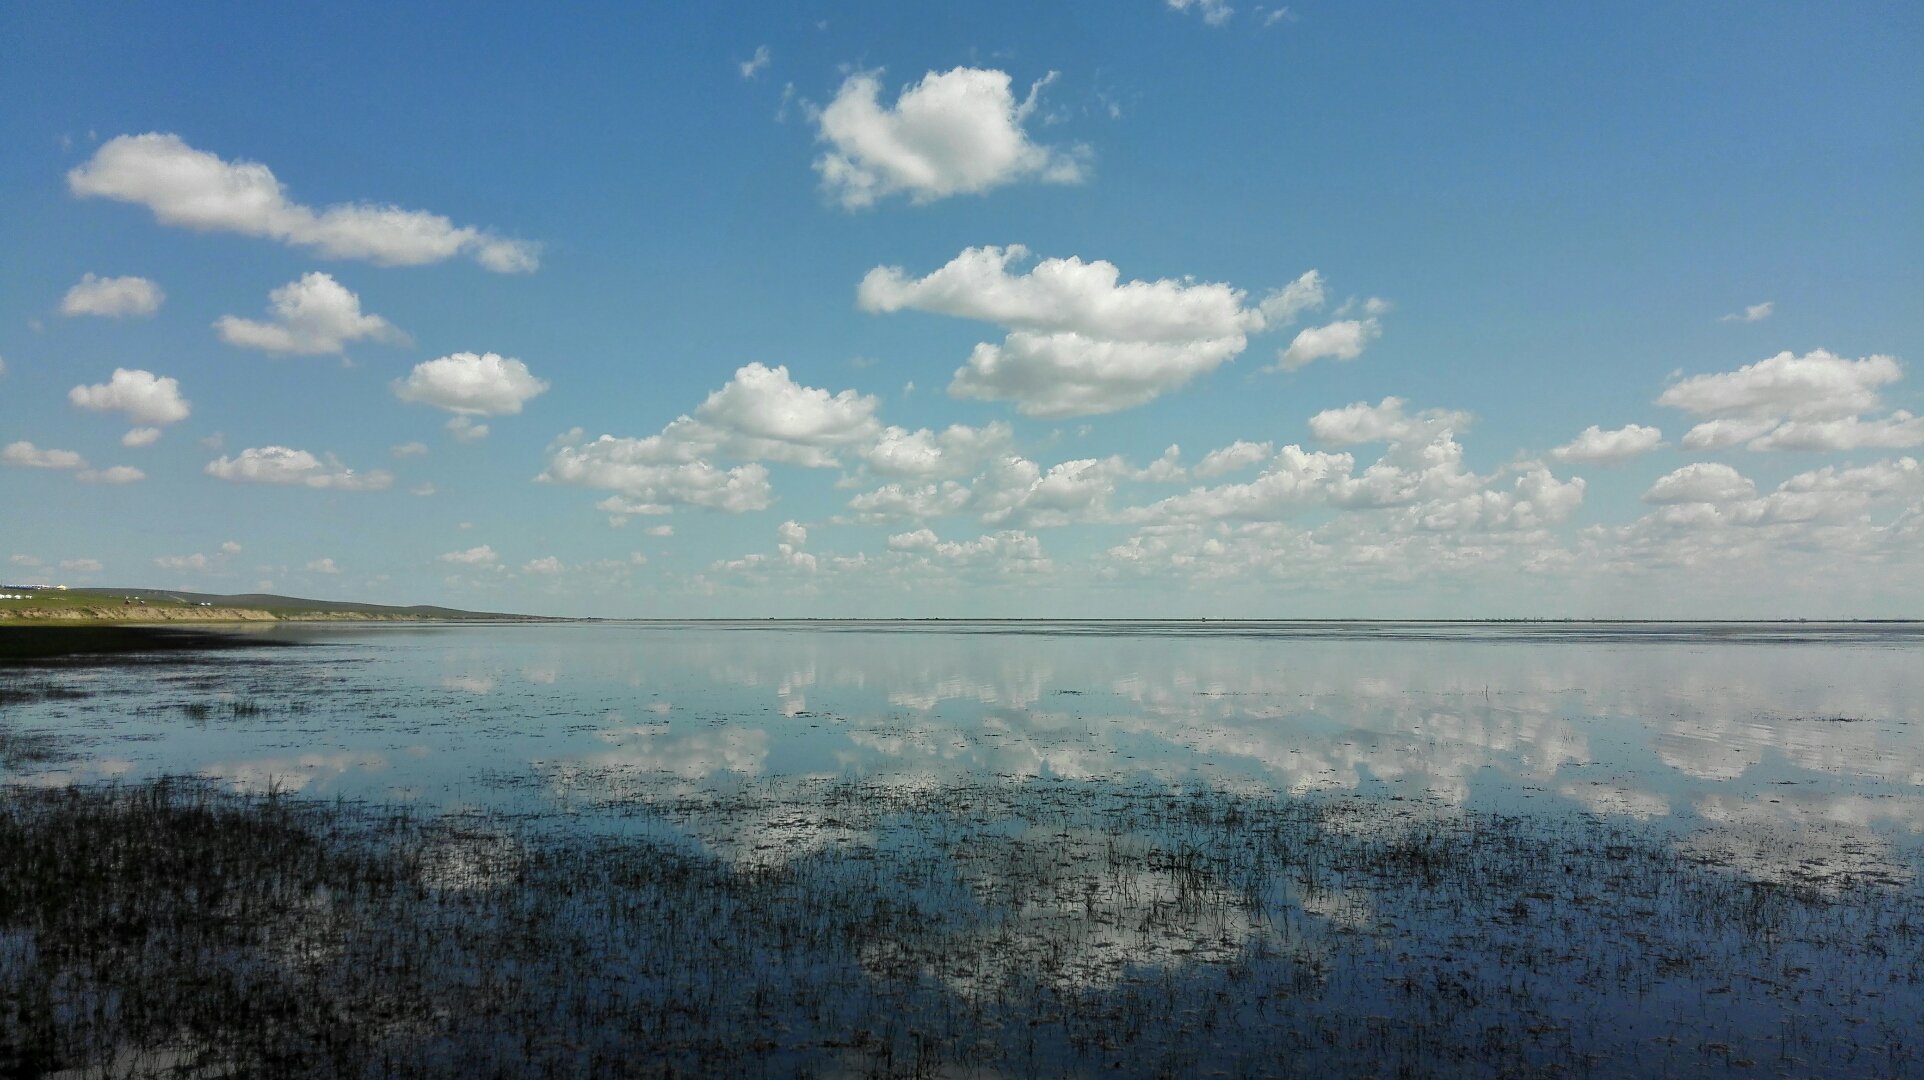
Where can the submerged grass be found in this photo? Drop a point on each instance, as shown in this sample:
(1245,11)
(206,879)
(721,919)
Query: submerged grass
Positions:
(853,928)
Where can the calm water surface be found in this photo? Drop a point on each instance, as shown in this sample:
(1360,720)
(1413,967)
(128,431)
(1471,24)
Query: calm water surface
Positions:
(1806,732)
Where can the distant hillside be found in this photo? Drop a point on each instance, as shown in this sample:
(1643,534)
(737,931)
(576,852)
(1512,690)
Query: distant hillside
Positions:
(171,604)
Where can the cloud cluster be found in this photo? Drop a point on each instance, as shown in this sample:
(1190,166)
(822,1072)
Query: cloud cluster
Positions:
(198,190)
(760,415)
(484,384)
(313,316)
(282,465)
(1818,401)
(112,298)
(1079,340)
(957,132)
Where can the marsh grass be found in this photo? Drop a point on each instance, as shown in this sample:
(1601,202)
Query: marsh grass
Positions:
(856,928)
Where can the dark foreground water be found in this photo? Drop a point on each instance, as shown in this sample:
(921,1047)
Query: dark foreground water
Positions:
(972,849)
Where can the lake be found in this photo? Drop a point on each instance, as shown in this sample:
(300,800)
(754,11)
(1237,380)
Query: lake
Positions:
(1032,848)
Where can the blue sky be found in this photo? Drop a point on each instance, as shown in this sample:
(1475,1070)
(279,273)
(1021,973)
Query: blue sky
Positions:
(1373,271)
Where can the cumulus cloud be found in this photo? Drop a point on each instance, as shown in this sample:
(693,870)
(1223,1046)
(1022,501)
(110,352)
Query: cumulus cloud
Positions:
(1595,446)
(1817,401)
(145,398)
(1213,12)
(282,465)
(792,534)
(196,562)
(1240,454)
(546,566)
(958,132)
(754,65)
(140,436)
(323,566)
(27,455)
(1080,341)
(924,454)
(312,316)
(773,416)
(409,449)
(115,474)
(112,298)
(484,384)
(198,190)
(81,566)
(1384,422)
(1344,339)
(653,486)
(464,429)
(1752,313)
(1701,482)
(482,555)
(761,414)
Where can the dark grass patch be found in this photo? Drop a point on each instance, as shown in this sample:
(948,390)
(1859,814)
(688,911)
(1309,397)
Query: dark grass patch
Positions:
(849,928)
(35,645)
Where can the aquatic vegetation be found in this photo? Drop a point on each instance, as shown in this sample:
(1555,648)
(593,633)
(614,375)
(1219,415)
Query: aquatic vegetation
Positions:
(1005,928)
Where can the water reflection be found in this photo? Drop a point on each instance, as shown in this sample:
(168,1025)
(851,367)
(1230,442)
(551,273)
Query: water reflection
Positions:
(1725,732)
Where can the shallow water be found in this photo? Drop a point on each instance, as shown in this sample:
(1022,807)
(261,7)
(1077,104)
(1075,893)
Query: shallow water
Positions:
(1083,790)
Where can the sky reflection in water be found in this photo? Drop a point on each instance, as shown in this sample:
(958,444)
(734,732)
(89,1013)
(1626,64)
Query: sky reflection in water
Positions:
(1770,746)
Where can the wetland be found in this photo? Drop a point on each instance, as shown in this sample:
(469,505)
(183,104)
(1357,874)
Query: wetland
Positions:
(968,849)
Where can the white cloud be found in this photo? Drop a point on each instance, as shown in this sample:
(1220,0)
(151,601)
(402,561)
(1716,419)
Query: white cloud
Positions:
(779,419)
(661,530)
(144,397)
(28,455)
(282,465)
(81,566)
(1894,432)
(1816,386)
(465,429)
(1341,340)
(484,384)
(409,449)
(323,566)
(792,534)
(754,65)
(1213,12)
(1813,402)
(1752,313)
(1240,454)
(1079,342)
(1599,447)
(634,467)
(954,133)
(1286,304)
(547,566)
(1701,482)
(112,298)
(196,561)
(140,436)
(475,556)
(312,316)
(1384,422)
(117,474)
(422,489)
(197,190)
(923,454)
(229,547)
(24,560)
